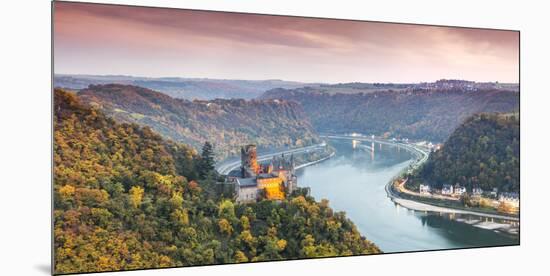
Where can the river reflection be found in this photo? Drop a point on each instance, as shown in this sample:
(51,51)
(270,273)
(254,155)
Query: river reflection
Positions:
(353,181)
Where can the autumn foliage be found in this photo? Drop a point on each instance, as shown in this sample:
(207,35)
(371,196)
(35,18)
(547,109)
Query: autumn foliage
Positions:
(125,198)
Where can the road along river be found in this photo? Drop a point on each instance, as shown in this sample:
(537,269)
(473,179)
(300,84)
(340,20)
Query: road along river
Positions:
(354,181)
(228,165)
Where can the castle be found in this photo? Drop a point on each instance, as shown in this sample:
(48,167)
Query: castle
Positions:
(276,178)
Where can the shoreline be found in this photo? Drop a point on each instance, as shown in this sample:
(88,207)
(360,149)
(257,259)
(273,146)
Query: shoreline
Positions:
(509,226)
(228,167)
(315,162)
(421,206)
(425,207)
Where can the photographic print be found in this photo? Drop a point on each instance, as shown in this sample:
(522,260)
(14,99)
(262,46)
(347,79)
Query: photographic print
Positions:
(191,138)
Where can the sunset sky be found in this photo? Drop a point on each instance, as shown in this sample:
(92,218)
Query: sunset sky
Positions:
(108,39)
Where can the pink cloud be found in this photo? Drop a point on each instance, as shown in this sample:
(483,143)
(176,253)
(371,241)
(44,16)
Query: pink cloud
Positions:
(90,38)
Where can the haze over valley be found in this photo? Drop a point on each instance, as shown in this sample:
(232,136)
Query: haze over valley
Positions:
(182,88)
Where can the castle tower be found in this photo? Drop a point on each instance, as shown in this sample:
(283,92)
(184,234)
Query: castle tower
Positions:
(249,161)
(292,163)
(292,179)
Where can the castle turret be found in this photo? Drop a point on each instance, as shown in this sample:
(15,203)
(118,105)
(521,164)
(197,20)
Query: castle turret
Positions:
(292,163)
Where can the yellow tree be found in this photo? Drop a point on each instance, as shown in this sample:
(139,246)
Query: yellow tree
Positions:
(240,257)
(136,195)
(225,227)
(245,223)
(67,191)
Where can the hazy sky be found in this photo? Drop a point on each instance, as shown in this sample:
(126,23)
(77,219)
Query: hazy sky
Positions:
(105,39)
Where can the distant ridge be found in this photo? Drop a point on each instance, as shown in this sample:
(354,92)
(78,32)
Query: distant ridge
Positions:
(417,113)
(183,88)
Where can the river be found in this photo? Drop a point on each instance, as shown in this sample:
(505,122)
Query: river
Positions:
(354,180)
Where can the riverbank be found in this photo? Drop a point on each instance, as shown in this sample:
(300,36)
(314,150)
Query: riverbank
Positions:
(400,189)
(353,181)
(226,167)
(494,222)
(497,223)
(490,221)
(422,156)
(315,162)
(425,207)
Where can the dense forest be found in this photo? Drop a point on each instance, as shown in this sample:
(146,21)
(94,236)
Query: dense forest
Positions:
(126,198)
(228,123)
(418,114)
(483,152)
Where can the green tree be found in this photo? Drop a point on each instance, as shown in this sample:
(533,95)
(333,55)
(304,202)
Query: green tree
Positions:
(206,166)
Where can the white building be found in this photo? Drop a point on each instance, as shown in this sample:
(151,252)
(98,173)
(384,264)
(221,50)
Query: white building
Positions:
(459,190)
(246,190)
(494,192)
(477,191)
(425,189)
(447,189)
(509,198)
(421,143)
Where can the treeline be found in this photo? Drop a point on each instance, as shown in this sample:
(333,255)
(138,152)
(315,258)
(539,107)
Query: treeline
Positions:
(483,152)
(420,114)
(125,198)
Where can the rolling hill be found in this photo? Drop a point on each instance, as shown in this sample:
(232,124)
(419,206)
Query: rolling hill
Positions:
(482,152)
(228,124)
(416,114)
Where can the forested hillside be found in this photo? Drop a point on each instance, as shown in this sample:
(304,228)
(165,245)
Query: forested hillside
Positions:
(125,198)
(229,124)
(483,152)
(418,114)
